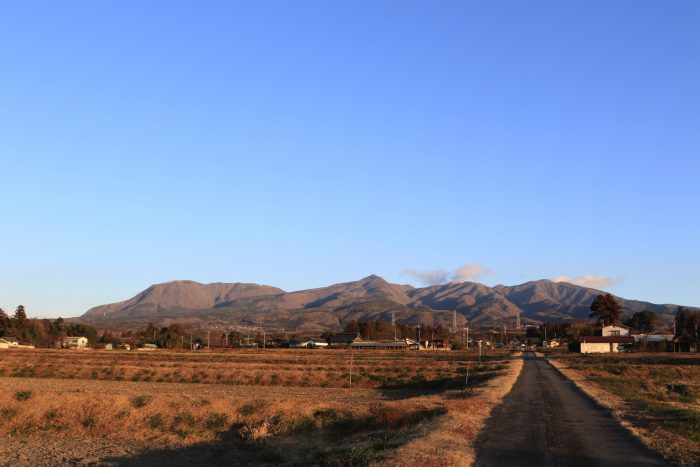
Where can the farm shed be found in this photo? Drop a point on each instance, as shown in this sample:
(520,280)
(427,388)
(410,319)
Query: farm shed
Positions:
(605,344)
(7,342)
(148,347)
(345,338)
(75,342)
(405,344)
(312,343)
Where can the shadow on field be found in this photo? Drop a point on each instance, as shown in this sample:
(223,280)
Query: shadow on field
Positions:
(340,441)
(418,388)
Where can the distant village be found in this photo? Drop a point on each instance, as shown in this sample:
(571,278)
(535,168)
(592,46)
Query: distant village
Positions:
(606,335)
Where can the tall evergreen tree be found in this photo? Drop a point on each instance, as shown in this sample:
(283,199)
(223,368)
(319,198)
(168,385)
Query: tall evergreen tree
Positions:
(606,309)
(20,318)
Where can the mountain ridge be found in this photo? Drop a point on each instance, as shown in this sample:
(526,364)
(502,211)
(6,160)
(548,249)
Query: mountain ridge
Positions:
(371,297)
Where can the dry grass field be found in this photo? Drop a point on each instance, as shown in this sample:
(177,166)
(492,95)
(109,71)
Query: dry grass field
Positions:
(247,406)
(656,396)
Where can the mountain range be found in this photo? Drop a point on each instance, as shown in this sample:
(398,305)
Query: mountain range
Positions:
(369,298)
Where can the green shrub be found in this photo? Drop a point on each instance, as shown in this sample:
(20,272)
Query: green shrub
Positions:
(686,393)
(140,401)
(616,369)
(216,421)
(8,413)
(155,422)
(186,419)
(23,395)
(247,410)
(326,415)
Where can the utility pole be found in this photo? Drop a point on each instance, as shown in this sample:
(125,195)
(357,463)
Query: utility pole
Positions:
(454,321)
(466,359)
(208,338)
(517,321)
(393,322)
(352,353)
(674,336)
(467,337)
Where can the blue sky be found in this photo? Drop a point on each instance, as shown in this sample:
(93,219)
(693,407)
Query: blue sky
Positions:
(301,144)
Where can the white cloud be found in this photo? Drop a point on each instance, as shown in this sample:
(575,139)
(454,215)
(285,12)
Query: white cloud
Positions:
(441,276)
(469,272)
(588,280)
(434,277)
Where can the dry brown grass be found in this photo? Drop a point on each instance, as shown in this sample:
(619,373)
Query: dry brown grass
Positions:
(654,396)
(450,440)
(273,367)
(397,406)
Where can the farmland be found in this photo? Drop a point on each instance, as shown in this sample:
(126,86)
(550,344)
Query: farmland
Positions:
(248,406)
(657,396)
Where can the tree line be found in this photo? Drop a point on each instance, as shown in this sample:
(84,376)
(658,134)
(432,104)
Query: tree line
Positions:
(382,329)
(42,332)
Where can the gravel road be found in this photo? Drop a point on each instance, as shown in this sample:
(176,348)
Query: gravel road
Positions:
(546,420)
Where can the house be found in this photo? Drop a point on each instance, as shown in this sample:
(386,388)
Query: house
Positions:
(345,339)
(615,330)
(75,342)
(605,344)
(6,342)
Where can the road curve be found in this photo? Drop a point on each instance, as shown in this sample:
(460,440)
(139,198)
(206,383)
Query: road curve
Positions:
(547,420)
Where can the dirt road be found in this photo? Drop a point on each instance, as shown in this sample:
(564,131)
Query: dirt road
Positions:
(546,420)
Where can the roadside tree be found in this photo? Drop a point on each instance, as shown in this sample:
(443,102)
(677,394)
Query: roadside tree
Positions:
(643,321)
(606,309)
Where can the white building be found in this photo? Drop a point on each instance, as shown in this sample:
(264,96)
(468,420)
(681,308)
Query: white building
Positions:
(615,330)
(7,342)
(148,347)
(312,343)
(75,342)
(605,344)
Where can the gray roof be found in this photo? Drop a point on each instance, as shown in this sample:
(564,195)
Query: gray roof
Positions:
(385,344)
(346,337)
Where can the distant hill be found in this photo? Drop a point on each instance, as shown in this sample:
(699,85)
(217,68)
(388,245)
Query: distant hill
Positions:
(179,295)
(369,298)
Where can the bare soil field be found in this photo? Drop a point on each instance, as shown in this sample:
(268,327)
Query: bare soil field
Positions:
(316,368)
(655,396)
(245,407)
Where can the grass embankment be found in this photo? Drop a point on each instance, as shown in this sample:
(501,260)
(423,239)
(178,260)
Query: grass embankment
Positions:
(655,396)
(309,414)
